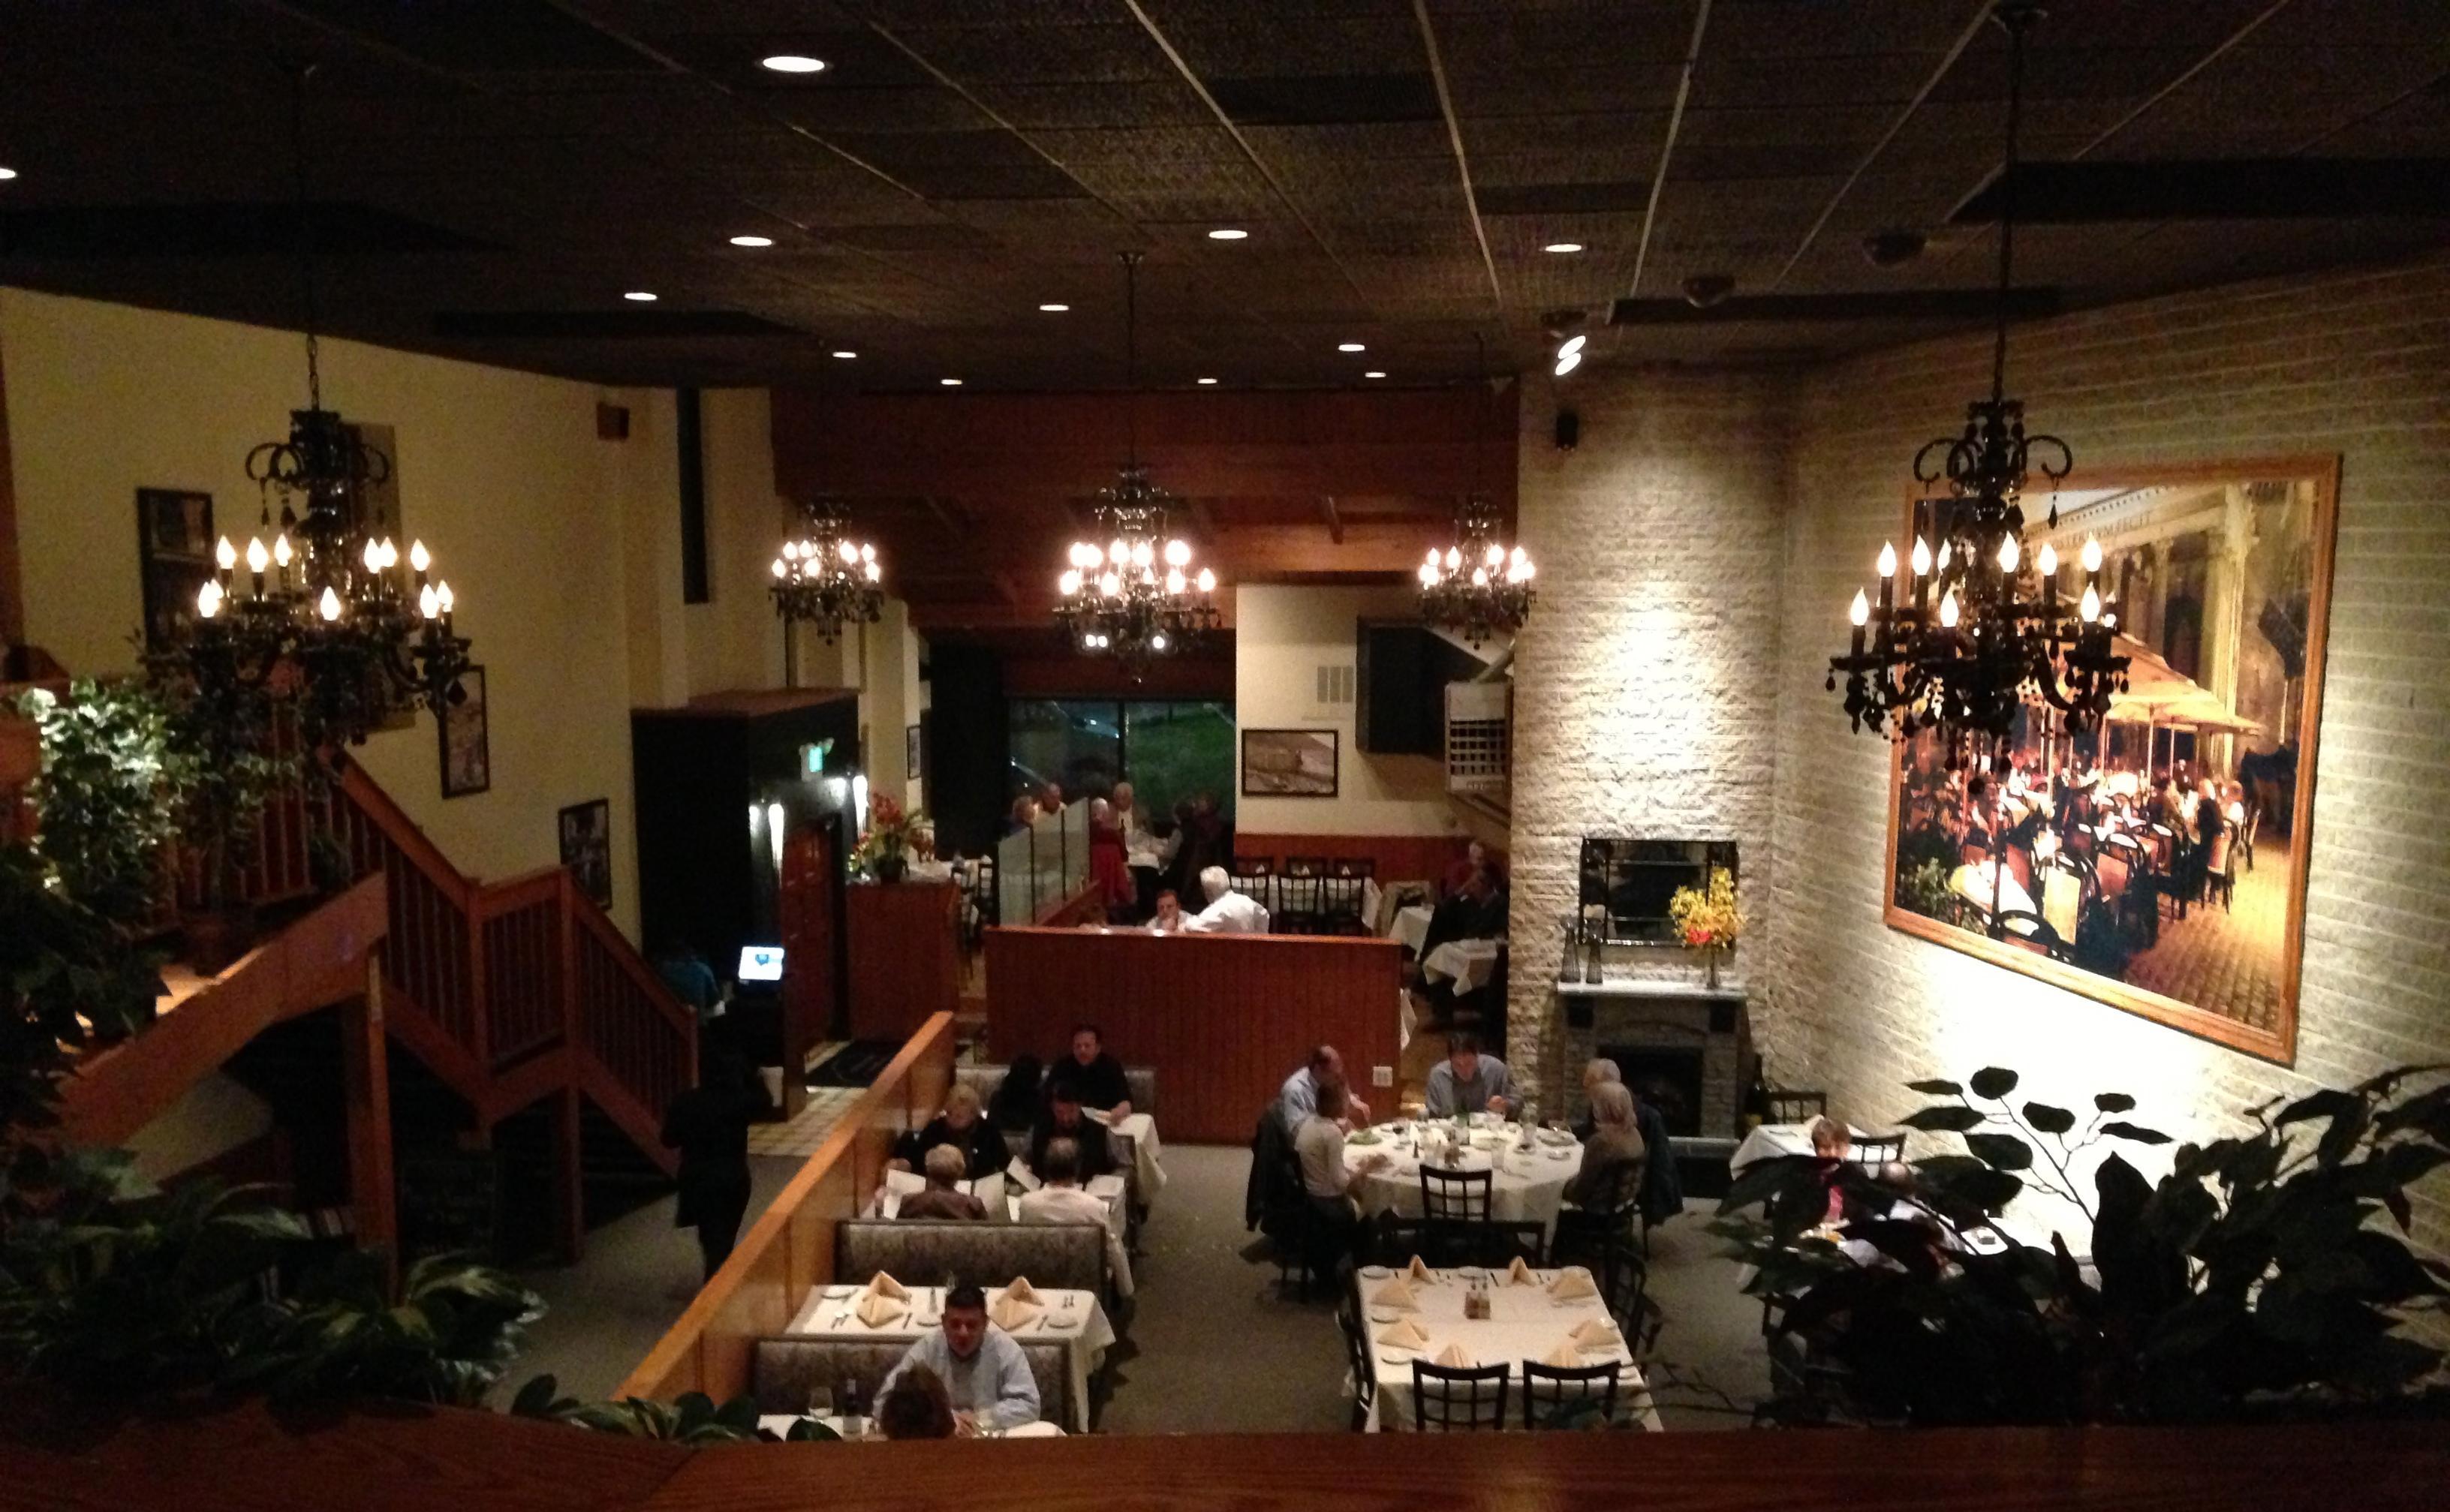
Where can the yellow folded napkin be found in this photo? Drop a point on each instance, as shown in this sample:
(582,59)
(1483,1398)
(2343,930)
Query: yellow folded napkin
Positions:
(1396,1293)
(884,1286)
(1418,1270)
(1012,1313)
(1404,1334)
(1453,1358)
(1021,1291)
(876,1311)
(1574,1285)
(1564,1356)
(1598,1334)
(1519,1273)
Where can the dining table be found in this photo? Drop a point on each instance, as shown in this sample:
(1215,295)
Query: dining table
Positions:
(1074,1319)
(1470,963)
(1527,1186)
(1524,1322)
(1133,1138)
(1412,927)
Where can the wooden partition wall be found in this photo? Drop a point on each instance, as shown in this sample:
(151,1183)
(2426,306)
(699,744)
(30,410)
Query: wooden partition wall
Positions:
(905,955)
(790,1248)
(1224,1018)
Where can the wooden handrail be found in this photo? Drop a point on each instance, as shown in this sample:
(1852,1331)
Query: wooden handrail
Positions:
(791,1246)
(596,922)
(405,835)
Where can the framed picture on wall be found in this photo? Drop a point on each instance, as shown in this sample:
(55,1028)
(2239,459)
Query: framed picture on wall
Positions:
(587,847)
(2158,862)
(174,553)
(467,761)
(1288,763)
(910,748)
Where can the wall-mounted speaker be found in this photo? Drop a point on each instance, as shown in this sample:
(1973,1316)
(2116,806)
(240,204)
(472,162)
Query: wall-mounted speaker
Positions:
(1569,430)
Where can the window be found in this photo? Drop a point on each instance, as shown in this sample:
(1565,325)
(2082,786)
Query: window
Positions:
(1171,750)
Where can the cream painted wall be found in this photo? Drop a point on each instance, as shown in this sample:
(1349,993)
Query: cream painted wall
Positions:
(1282,635)
(501,476)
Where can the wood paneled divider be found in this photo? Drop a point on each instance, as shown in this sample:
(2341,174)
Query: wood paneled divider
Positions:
(905,955)
(791,1246)
(1224,1018)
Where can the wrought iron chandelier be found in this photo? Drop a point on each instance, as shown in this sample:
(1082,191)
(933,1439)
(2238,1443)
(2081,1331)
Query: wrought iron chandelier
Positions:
(1134,597)
(1981,628)
(1478,587)
(324,615)
(826,579)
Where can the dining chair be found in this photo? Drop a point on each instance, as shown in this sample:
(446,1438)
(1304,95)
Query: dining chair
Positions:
(1341,891)
(1456,1196)
(1788,1106)
(1601,1226)
(1875,1150)
(1550,1389)
(1300,904)
(1253,877)
(1356,1354)
(1467,1400)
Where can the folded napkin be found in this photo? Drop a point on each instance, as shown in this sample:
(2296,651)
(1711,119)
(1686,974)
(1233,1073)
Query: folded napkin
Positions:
(884,1286)
(1404,1334)
(1453,1358)
(1418,1270)
(876,1311)
(1598,1334)
(1396,1293)
(1519,1273)
(1012,1313)
(1573,1284)
(1564,1356)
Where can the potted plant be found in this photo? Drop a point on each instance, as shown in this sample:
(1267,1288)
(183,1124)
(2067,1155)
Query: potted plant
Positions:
(884,849)
(105,794)
(223,743)
(1708,921)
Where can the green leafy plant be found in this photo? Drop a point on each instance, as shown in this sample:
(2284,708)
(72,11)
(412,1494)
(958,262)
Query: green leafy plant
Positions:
(693,1417)
(1924,889)
(106,793)
(2264,1275)
(228,762)
(67,976)
(446,1336)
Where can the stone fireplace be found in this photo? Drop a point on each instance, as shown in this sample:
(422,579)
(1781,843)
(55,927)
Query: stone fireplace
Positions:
(1685,1040)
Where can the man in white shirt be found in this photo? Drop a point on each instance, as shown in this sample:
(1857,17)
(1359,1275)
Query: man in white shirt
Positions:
(1228,912)
(1059,1199)
(982,1366)
(1467,1081)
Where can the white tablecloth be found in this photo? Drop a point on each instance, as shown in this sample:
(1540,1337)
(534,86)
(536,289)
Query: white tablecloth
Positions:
(1776,1139)
(1523,1323)
(1529,1189)
(1109,1187)
(1470,962)
(1411,927)
(1074,1319)
(779,1425)
(1135,1145)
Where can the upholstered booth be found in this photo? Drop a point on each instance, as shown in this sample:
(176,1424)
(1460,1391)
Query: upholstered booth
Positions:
(930,1253)
(788,1369)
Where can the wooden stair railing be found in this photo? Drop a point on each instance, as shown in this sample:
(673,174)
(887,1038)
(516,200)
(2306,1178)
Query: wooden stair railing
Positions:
(517,990)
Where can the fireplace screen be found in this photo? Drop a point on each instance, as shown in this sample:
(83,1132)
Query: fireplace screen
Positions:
(1626,883)
(1668,1078)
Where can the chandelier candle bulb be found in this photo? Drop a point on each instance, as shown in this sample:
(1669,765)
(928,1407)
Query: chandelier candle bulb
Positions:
(330,605)
(208,599)
(1947,610)
(427,603)
(256,561)
(2091,556)
(1207,581)
(442,596)
(224,558)
(2007,553)
(2089,610)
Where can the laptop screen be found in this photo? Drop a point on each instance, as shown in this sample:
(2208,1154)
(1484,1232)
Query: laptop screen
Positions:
(760,963)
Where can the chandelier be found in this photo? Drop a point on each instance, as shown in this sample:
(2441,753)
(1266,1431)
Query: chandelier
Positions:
(1981,630)
(1477,586)
(324,615)
(1134,597)
(826,579)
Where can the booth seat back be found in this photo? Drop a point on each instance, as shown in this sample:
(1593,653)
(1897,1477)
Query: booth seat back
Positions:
(787,1369)
(932,1252)
(1140,1080)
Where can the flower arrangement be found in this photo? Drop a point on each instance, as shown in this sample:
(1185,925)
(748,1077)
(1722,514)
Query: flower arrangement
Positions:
(1708,919)
(884,848)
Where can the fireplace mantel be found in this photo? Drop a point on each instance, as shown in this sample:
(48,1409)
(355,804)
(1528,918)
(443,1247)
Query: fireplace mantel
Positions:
(1636,987)
(1667,1014)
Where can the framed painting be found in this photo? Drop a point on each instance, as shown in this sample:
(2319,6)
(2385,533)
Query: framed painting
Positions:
(1288,763)
(910,750)
(174,553)
(467,759)
(587,847)
(2158,862)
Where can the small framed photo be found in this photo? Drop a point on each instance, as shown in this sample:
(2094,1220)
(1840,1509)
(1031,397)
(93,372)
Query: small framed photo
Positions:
(912,745)
(587,847)
(467,761)
(174,545)
(1288,763)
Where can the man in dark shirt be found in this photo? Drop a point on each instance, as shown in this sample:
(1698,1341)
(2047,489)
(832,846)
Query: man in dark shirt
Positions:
(709,1125)
(1095,1078)
(1062,1120)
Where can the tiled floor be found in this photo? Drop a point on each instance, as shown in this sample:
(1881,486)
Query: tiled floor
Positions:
(2226,959)
(799,1137)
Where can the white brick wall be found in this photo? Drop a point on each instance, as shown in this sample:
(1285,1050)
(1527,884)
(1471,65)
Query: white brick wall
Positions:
(1642,704)
(1671,679)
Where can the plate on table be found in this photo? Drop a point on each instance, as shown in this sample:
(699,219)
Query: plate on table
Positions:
(1560,1154)
(1374,1272)
(1556,1137)
(1471,1272)
(1389,1355)
(1365,1138)
(1385,1314)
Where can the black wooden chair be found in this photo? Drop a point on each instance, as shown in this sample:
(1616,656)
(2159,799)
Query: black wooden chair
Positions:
(1875,1150)
(1301,896)
(1607,1223)
(1789,1106)
(1548,1389)
(1341,892)
(1356,1354)
(1467,1400)
(1454,1205)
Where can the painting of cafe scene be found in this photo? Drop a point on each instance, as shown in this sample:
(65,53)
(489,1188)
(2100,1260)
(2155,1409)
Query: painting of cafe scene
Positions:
(2157,863)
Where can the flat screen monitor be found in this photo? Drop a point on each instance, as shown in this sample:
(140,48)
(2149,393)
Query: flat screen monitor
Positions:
(760,963)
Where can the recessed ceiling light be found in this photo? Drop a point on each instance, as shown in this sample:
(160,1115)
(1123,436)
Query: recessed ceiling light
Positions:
(1350,346)
(1562,246)
(950,383)
(753,241)
(794,63)
(1373,373)
(1228,233)
(1055,309)
(641,296)
(847,355)
(1207,382)
(6,174)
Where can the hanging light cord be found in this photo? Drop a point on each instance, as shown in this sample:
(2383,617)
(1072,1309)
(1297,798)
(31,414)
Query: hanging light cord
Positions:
(2016,16)
(1131,356)
(305,234)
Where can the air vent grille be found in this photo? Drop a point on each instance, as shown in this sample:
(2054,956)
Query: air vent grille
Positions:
(1336,682)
